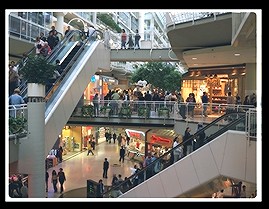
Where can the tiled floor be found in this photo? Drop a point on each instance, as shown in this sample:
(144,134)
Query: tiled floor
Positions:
(80,168)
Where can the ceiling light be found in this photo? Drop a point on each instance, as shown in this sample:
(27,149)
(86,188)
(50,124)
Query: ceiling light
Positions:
(194,58)
(236,54)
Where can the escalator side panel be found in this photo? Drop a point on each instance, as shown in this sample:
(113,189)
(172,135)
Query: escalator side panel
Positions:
(60,109)
(228,155)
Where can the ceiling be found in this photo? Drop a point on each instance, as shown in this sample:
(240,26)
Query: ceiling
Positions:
(211,43)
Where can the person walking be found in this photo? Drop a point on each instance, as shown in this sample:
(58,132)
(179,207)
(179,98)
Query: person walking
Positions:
(205,103)
(47,180)
(114,136)
(90,148)
(54,180)
(123,39)
(137,38)
(130,42)
(96,105)
(105,168)
(122,154)
(62,179)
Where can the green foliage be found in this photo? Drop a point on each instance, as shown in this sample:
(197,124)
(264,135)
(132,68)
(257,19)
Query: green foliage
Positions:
(160,74)
(164,111)
(107,19)
(105,109)
(17,125)
(125,111)
(87,110)
(143,111)
(37,70)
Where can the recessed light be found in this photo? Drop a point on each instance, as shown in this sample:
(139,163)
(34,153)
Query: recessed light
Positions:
(194,58)
(236,54)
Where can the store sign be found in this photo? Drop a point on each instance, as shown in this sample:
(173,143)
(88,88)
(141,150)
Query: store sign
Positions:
(158,139)
(93,79)
(134,133)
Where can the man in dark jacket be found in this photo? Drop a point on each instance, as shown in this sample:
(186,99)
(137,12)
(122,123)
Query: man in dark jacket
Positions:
(122,154)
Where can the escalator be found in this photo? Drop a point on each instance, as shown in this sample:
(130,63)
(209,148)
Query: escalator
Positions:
(70,56)
(80,59)
(63,52)
(224,157)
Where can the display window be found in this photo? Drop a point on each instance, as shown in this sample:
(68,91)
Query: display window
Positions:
(136,147)
(158,145)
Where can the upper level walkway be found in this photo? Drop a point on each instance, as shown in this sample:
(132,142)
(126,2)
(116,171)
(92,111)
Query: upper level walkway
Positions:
(143,55)
(145,114)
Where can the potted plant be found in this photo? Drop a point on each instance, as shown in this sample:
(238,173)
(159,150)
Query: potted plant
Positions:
(37,71)
(143,111)
(106,110)
(17,125)
(87,110)
(163,111)
(125,111)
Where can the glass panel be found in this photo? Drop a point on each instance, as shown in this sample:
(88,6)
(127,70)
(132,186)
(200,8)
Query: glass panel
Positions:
(185,146)
(14,26)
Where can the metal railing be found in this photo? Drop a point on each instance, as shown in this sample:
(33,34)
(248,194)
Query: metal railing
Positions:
(164,160)
(184,17)
(27,30)
(156,109)
(161,110)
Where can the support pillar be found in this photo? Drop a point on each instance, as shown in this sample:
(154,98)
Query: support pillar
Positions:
(32,149)
(59,25)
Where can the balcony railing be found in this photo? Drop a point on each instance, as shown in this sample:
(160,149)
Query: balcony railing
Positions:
(183,17)
(158,110)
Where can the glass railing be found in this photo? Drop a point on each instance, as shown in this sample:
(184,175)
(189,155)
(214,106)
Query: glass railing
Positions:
(149,110)
(57,53)
(159,163)
(18,124)
(156,109)
(61,52)
(27,30)
(173,18)
(149,40)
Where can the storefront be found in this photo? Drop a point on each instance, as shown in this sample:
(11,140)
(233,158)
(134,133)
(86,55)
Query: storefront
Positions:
(136,147)
(157,142)
(216,82)
(99,84)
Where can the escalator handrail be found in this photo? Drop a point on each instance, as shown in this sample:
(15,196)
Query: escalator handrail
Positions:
(59,80)
(51,57)
(211,137)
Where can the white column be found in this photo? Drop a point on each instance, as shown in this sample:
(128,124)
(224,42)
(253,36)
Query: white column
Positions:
(32,149)
(141,25)
(59,25)
(94,17)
